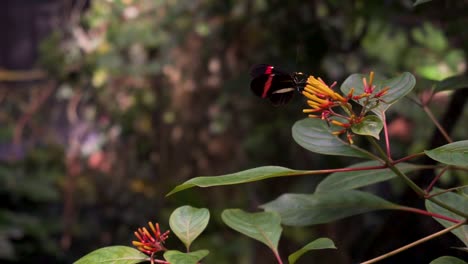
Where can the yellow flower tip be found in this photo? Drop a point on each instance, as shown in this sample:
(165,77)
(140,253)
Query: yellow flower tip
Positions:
(371,78)
(337,133)
(310,96)
(145,231)
(152,227)
(318,86)
(338,97)
(338,123)
(137,244)
(313,116)
(311,79)
(382,92)
(351,92)
(307,111)
(313,105)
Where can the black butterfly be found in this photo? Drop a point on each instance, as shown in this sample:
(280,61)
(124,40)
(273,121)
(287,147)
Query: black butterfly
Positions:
(275,84)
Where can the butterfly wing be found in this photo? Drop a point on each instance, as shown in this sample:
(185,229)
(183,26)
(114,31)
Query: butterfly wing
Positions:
(260,69)
(279,88)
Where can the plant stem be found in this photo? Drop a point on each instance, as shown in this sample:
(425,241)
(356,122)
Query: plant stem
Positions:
(436,123)
(277,256)
(436,178)
(446,191)
(420,241)
(412,156)
(390,165)
(423,212)
(387,141)
(410,183)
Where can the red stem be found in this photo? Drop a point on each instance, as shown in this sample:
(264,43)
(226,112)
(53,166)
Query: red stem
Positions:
(278,258)
(419,211)
(387,141)
(412,156)
(348,169)
(436,178)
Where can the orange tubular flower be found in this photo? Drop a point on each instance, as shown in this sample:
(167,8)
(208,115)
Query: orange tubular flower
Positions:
(150,243)
(321,99)
(318,88)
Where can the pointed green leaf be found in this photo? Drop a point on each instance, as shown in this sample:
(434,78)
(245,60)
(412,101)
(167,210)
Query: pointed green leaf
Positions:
(114,255)
(456,201)
(177,257)
(264,226)
(371,125)
(452,83)
(311,209)
(455,153)
(354,179)
(245,176)
(314,135)
(399,87)
(320,243)
(448,260)
(188,223)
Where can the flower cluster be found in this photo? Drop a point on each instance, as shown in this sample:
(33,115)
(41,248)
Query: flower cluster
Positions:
(150,243)
(323,100)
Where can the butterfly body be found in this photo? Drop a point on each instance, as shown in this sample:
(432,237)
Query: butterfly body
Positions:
(276,85)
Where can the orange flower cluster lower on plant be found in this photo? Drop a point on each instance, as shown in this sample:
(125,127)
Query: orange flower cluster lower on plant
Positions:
(150,243)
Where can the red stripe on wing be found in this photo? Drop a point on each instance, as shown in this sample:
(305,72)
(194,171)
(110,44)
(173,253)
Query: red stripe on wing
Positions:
(267,86)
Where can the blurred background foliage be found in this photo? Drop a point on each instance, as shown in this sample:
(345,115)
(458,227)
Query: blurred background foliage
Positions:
(120,100)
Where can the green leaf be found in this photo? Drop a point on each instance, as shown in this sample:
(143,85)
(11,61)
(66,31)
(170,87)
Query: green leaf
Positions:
(188,223)
(313,134)
(399,87)
(354,179)
(452,83)
(448,260)
(371,125)
(177,257)
(264,226)
(320,243)
(455,153)
(114,255)
(456,201)
(312,209)
(245,176)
